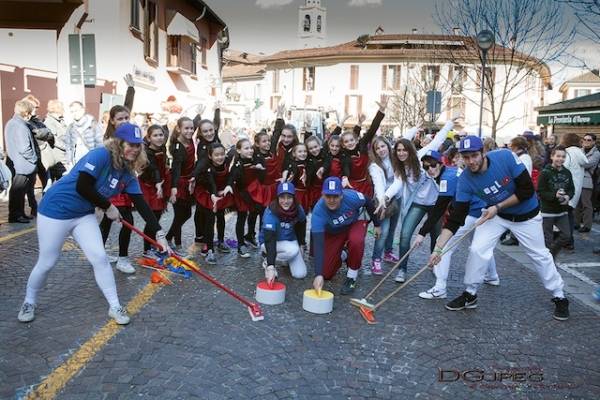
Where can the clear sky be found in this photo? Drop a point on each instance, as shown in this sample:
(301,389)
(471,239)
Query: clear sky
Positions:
(268,26)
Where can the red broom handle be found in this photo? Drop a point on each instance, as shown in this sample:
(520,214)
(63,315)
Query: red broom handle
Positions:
(204,275)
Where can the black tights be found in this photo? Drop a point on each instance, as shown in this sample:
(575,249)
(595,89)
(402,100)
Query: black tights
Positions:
(208,232)
(124,235)
(239,226)
(147,230)
(252,217)
(200,223)
(182,210)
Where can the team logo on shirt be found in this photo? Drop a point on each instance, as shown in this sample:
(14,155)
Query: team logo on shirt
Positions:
(342,218)
(113,183)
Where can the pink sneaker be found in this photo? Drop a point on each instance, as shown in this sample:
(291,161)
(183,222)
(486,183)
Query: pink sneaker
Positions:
(389,256)
(376,267)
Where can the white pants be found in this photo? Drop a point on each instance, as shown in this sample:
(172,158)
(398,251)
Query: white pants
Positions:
(288,251)
(531,239)
(51,237)
(441,270)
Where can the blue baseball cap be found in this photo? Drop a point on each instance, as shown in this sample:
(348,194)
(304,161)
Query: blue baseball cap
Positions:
(470,143)
(130,133)
(436,155)
(332,186)
(286,187)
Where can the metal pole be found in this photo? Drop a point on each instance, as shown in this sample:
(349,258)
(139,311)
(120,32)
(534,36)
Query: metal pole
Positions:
(482,88)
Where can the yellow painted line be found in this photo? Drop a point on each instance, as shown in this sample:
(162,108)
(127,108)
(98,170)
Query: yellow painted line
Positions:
(56,381)
(16,234)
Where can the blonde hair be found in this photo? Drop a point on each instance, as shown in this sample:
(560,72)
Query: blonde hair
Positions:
(55,106)
(32,99)
(24,108)
(115,146)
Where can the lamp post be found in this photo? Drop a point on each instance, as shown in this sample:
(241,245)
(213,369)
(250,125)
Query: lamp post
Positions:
(485,41)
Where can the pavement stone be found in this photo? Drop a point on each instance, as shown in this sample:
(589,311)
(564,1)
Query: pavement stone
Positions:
(192,341)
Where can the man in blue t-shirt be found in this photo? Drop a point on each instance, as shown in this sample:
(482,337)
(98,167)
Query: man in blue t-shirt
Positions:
(335,224)
(503,183)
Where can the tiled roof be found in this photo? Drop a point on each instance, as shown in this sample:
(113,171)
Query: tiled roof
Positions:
(589,101)
(588,77)
(240,71)
(239,57)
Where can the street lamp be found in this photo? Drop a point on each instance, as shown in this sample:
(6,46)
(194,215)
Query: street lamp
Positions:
(485,41)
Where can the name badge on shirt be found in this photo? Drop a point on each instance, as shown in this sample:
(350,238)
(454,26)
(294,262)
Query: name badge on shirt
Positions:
(113,183)
(444,186)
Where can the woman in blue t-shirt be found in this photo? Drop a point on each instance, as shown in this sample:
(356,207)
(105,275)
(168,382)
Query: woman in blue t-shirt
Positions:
(278,237)
(68,209)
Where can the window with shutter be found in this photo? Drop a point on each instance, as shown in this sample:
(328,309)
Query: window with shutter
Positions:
(354,77)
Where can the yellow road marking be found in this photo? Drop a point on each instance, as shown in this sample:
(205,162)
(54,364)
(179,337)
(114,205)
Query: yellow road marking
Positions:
(56,381)
(16,234)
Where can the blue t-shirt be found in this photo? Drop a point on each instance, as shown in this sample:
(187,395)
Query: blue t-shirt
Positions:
(496,184)
(449,183)
(62,201)
(284,230)
(325,220)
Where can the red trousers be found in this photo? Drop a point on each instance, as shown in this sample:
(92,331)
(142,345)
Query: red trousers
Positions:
(353,239)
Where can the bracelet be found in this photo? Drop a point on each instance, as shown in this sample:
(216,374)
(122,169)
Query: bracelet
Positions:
(438,251)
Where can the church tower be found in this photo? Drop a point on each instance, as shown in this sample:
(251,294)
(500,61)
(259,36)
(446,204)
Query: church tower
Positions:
(312,24)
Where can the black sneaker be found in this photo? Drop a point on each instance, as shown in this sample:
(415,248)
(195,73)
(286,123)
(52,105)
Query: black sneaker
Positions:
(243,252)
(348,286)
(251,240)
(465,300)
(561,312)
(510,241)
(223,248)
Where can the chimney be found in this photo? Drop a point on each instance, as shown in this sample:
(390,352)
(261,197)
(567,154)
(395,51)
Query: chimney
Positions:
(596,72)
(456,30)
(415,31)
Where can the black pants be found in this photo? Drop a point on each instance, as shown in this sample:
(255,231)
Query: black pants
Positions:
(200,223)
(182,210)
(252,217)
(240,224)
(208,228)
(21,185)
(56,171)
(124,234)
(147,230)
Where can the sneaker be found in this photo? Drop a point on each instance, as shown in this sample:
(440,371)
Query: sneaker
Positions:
(366,270)
(113,259)
(27,312)
(465,300)
(348,286)
(491,282)
(119,314)
(243,251)
(223,248)
(584,229)
(561,312)
(179,251)
(433,293)
(195,249)
(344,254)
(151,254)
(210,257)
(510,241)
(390,257)
(400,277)
(125,266)
(251,240)
(376,267)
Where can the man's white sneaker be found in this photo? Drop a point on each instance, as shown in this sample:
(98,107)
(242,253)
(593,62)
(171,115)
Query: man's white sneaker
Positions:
(125,266)
(433,294)
(119,314)
(113,259)
(400,277)
(27,312)
(492,282)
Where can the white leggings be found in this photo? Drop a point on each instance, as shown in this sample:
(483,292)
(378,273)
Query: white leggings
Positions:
(441,270)
(288,251)
(51,237)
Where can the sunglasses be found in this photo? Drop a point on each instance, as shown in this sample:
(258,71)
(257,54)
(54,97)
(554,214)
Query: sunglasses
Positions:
(431,164)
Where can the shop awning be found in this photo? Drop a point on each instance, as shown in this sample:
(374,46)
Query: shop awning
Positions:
(584,110)
(182,26)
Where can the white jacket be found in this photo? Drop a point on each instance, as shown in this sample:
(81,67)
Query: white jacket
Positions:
(575,162)
(378,177)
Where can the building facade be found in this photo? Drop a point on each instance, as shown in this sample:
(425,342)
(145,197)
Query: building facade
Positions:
(581,85)
(172,48)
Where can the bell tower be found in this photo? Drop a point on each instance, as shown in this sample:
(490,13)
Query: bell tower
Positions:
(312,24)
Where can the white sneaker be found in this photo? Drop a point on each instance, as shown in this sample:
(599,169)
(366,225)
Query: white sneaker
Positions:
(433,294)
(210,258)
(125,266)
(492,282)
(27,312)
(113,259)
(400,277)
(119,314)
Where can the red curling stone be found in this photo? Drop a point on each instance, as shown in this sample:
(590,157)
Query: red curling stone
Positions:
(270,295)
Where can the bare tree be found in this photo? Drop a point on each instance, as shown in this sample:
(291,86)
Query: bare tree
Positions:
(529,34)
(587,13)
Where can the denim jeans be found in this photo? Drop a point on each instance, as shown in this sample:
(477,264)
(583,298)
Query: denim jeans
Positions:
(413,217)
(388,229)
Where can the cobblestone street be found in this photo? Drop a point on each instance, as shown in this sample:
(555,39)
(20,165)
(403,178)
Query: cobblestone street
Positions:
(191,341)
